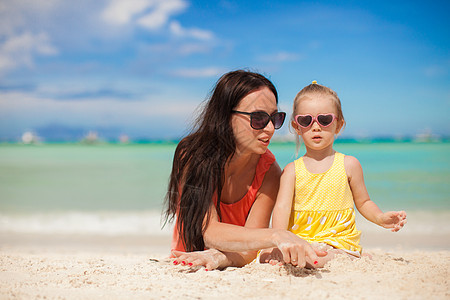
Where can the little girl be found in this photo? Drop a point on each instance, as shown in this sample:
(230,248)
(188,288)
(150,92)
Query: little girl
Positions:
(318,191)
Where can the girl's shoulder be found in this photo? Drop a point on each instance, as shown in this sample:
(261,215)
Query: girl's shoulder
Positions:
(290,168)
(351,161)
(352,165)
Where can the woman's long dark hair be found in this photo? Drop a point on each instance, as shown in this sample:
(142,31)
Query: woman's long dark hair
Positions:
(200,157)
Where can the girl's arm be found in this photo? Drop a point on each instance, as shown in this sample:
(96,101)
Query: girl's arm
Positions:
(283,205)
(392,219)
(281,211)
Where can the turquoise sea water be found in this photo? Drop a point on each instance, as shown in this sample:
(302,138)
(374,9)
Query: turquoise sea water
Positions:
(89,181)
(134,177)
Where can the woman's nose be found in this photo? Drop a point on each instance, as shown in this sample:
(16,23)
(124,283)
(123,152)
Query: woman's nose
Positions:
(270,127)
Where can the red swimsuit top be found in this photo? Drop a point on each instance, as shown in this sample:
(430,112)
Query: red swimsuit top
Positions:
(237,213)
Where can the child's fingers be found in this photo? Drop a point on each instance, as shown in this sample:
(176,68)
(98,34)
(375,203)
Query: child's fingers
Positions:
(311,254)
(320,252)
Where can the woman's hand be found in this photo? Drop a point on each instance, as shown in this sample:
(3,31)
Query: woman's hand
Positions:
(211,259)
(295,250)
(393,219)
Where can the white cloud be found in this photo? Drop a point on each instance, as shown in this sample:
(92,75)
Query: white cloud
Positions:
(22,36)
(17,51)
(161,14)
(152,15)
(120,12)
(200,34)
(149,14)
(19,14)
(198,73)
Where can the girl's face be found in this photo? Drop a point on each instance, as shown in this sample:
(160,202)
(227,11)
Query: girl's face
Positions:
(249,140)
(315,136)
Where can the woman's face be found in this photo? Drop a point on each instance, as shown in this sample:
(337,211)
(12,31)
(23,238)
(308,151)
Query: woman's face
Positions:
(249,140)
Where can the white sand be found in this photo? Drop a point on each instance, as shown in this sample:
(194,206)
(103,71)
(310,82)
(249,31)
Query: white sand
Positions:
(93,267)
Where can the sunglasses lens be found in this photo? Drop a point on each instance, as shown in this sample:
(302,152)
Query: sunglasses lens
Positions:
(325,120)
(259,120)
(304,121)
(278,119)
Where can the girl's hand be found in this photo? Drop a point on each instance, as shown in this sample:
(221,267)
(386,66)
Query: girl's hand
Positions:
(271,256)
(295,250)
(211,259)
(393,219)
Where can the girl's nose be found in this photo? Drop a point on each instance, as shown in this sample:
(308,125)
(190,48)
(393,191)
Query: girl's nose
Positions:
(315,126)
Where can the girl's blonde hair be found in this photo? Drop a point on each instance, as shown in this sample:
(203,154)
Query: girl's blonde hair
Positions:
(315,88)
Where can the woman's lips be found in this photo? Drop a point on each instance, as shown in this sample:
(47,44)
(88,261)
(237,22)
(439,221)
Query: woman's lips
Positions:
(265,141)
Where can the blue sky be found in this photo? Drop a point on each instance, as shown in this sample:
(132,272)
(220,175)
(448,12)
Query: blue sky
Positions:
(141,67)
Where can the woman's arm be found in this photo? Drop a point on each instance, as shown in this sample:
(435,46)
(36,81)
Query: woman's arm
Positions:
(392,219)
(259,217)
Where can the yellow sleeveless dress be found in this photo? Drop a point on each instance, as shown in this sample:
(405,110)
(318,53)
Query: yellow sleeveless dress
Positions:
(323,210)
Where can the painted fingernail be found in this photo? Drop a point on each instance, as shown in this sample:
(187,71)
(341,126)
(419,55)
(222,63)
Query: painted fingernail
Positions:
(175,262)
(206,269)
(183,262)
(316,262)
(190,264)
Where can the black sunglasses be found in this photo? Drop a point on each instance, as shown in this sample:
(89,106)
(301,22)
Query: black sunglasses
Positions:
(260,119)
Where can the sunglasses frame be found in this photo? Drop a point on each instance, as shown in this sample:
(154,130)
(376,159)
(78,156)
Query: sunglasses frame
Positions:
(315,119)
(251,114)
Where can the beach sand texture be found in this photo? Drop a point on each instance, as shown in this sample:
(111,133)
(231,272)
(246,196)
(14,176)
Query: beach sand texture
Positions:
(90,267)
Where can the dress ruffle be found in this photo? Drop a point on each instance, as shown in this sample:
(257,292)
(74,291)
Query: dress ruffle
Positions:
(336,228)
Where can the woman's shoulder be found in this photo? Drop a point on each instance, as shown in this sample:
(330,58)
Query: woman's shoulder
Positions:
(273,173)
(274,170)
(268,156)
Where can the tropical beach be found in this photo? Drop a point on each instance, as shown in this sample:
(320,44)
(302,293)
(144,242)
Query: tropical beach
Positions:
(96,95)
(99,233)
